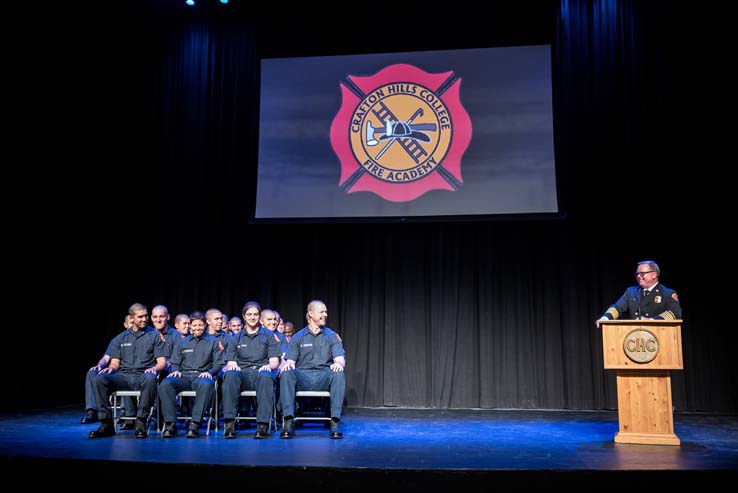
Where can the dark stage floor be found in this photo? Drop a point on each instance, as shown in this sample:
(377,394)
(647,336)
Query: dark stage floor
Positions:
(408,449)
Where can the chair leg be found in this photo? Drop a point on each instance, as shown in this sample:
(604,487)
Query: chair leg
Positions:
(210,419)
(115,411)
(216,406)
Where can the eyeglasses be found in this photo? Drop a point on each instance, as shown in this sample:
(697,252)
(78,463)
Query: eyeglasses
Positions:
(644,273)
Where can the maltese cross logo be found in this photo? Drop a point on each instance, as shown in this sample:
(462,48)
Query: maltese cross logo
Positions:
(401,133)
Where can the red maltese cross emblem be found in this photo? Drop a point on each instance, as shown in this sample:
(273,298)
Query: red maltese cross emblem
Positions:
(401,133)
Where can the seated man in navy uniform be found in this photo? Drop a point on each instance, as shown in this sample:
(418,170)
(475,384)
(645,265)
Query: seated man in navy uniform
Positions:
(90,401)
(315,361)
(195,363)
(252,357)
(650,300)
(136,359)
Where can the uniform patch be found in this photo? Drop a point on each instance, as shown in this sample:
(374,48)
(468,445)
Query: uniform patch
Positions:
(674,295)
(401,133)
(657,299)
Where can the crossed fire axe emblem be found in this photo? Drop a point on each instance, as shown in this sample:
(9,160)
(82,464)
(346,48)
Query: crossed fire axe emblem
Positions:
(399,130)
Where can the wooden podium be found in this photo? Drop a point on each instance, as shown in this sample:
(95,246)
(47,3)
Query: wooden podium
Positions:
(643,352)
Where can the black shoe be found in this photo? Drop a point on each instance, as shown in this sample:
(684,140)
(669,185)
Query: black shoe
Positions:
(128,424)
(194,430)
(106,429)
(90,417)
(230,429)
(141,428)
(288,430)
(170,430)
(261,431)
(336,432)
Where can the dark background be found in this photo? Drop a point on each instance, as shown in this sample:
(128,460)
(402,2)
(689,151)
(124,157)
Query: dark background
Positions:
(139,136)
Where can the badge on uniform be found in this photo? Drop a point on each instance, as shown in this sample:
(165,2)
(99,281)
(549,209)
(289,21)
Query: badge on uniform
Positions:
(657,299)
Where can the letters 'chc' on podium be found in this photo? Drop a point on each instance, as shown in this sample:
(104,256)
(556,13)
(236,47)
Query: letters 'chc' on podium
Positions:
(643,353)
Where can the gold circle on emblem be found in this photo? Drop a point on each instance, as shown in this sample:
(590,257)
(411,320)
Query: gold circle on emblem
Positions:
(641,346)
(401,132)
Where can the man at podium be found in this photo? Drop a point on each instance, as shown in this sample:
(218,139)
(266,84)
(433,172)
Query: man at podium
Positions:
(650,300)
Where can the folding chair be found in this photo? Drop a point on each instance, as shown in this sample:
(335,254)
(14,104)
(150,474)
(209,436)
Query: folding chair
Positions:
(252,393)
(212,415)
(115,406)
(306,414)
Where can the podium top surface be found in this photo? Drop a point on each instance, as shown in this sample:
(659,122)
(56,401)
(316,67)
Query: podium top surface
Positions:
(649,322)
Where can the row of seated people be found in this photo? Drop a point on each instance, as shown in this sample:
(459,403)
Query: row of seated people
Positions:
(217,326)
(253,359)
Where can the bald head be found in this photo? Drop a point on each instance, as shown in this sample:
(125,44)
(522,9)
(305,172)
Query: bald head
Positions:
(317,314)
(160,317)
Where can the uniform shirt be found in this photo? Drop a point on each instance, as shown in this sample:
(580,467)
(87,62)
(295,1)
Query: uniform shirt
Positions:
(221,338)
(315,351)
(197,354)
(253,350)
(284,344)
(137,351)
(661,304)
(170,335)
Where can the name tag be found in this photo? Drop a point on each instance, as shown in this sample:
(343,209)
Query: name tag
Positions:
(307,345)
(188,351)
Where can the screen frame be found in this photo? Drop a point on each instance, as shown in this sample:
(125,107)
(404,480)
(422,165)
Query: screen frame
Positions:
(543,33)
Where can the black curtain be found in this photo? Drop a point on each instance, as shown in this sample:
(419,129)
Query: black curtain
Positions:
(474,314)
